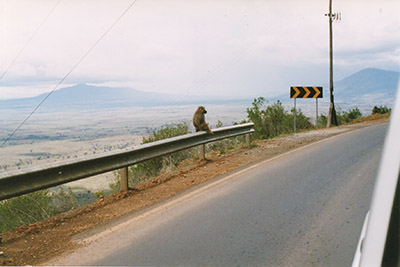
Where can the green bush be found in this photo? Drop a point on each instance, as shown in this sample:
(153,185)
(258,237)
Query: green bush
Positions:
(256,114)
(25,210)
(33,207)
(347,116)
(153,167)
(381,110)
(322,121)
(278,121)
(353,114)
(224,145)
(63,200)
(273,120)
(302,121)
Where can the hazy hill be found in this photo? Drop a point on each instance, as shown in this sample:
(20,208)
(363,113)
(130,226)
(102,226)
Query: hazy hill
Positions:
(84,96)
(363,89)
(368,83)
(366,89)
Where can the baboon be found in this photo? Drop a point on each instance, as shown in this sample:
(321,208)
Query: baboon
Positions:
(199,120)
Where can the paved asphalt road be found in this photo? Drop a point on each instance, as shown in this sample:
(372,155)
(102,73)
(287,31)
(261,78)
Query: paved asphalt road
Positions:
(305,208)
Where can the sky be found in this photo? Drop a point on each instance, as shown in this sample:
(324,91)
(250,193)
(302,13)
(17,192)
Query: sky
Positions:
(235,48)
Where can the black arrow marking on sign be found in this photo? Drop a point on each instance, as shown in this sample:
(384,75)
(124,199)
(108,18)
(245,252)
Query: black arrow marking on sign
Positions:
(305,92)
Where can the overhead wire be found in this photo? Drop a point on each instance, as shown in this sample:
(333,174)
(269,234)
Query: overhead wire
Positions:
(203,81)
(69,72)
(29,40)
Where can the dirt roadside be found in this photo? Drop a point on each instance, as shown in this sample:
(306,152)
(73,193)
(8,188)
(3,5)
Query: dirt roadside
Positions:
(37,243)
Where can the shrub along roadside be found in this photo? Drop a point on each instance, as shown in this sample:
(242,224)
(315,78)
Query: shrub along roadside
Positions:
(151,168)
(273,120)
(34,207)
(154,167)
(381,110)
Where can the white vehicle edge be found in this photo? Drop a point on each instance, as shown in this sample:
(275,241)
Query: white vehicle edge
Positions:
(379,243)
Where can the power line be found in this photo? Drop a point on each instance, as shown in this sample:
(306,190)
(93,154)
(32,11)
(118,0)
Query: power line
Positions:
(72,69)
(30,39)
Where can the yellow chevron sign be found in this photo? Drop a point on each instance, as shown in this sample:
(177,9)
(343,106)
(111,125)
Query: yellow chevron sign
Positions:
(305,92)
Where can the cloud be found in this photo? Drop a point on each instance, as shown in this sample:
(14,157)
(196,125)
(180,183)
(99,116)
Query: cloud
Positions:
(195,47)
(367,32)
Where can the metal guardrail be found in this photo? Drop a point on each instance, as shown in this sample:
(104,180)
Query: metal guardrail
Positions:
(19,182)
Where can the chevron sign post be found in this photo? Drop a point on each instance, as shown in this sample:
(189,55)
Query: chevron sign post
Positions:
(306,92)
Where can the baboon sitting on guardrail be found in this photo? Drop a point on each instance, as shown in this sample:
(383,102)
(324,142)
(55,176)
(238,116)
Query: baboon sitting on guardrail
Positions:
(199,120)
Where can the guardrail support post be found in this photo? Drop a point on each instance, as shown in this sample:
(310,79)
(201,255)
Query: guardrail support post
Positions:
(248,140)
(202,152)
(124,179)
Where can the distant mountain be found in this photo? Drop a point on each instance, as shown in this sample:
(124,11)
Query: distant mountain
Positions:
(368,82)
(84,96)
(366,89)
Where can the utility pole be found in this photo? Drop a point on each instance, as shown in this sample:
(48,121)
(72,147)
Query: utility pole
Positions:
(332,112)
